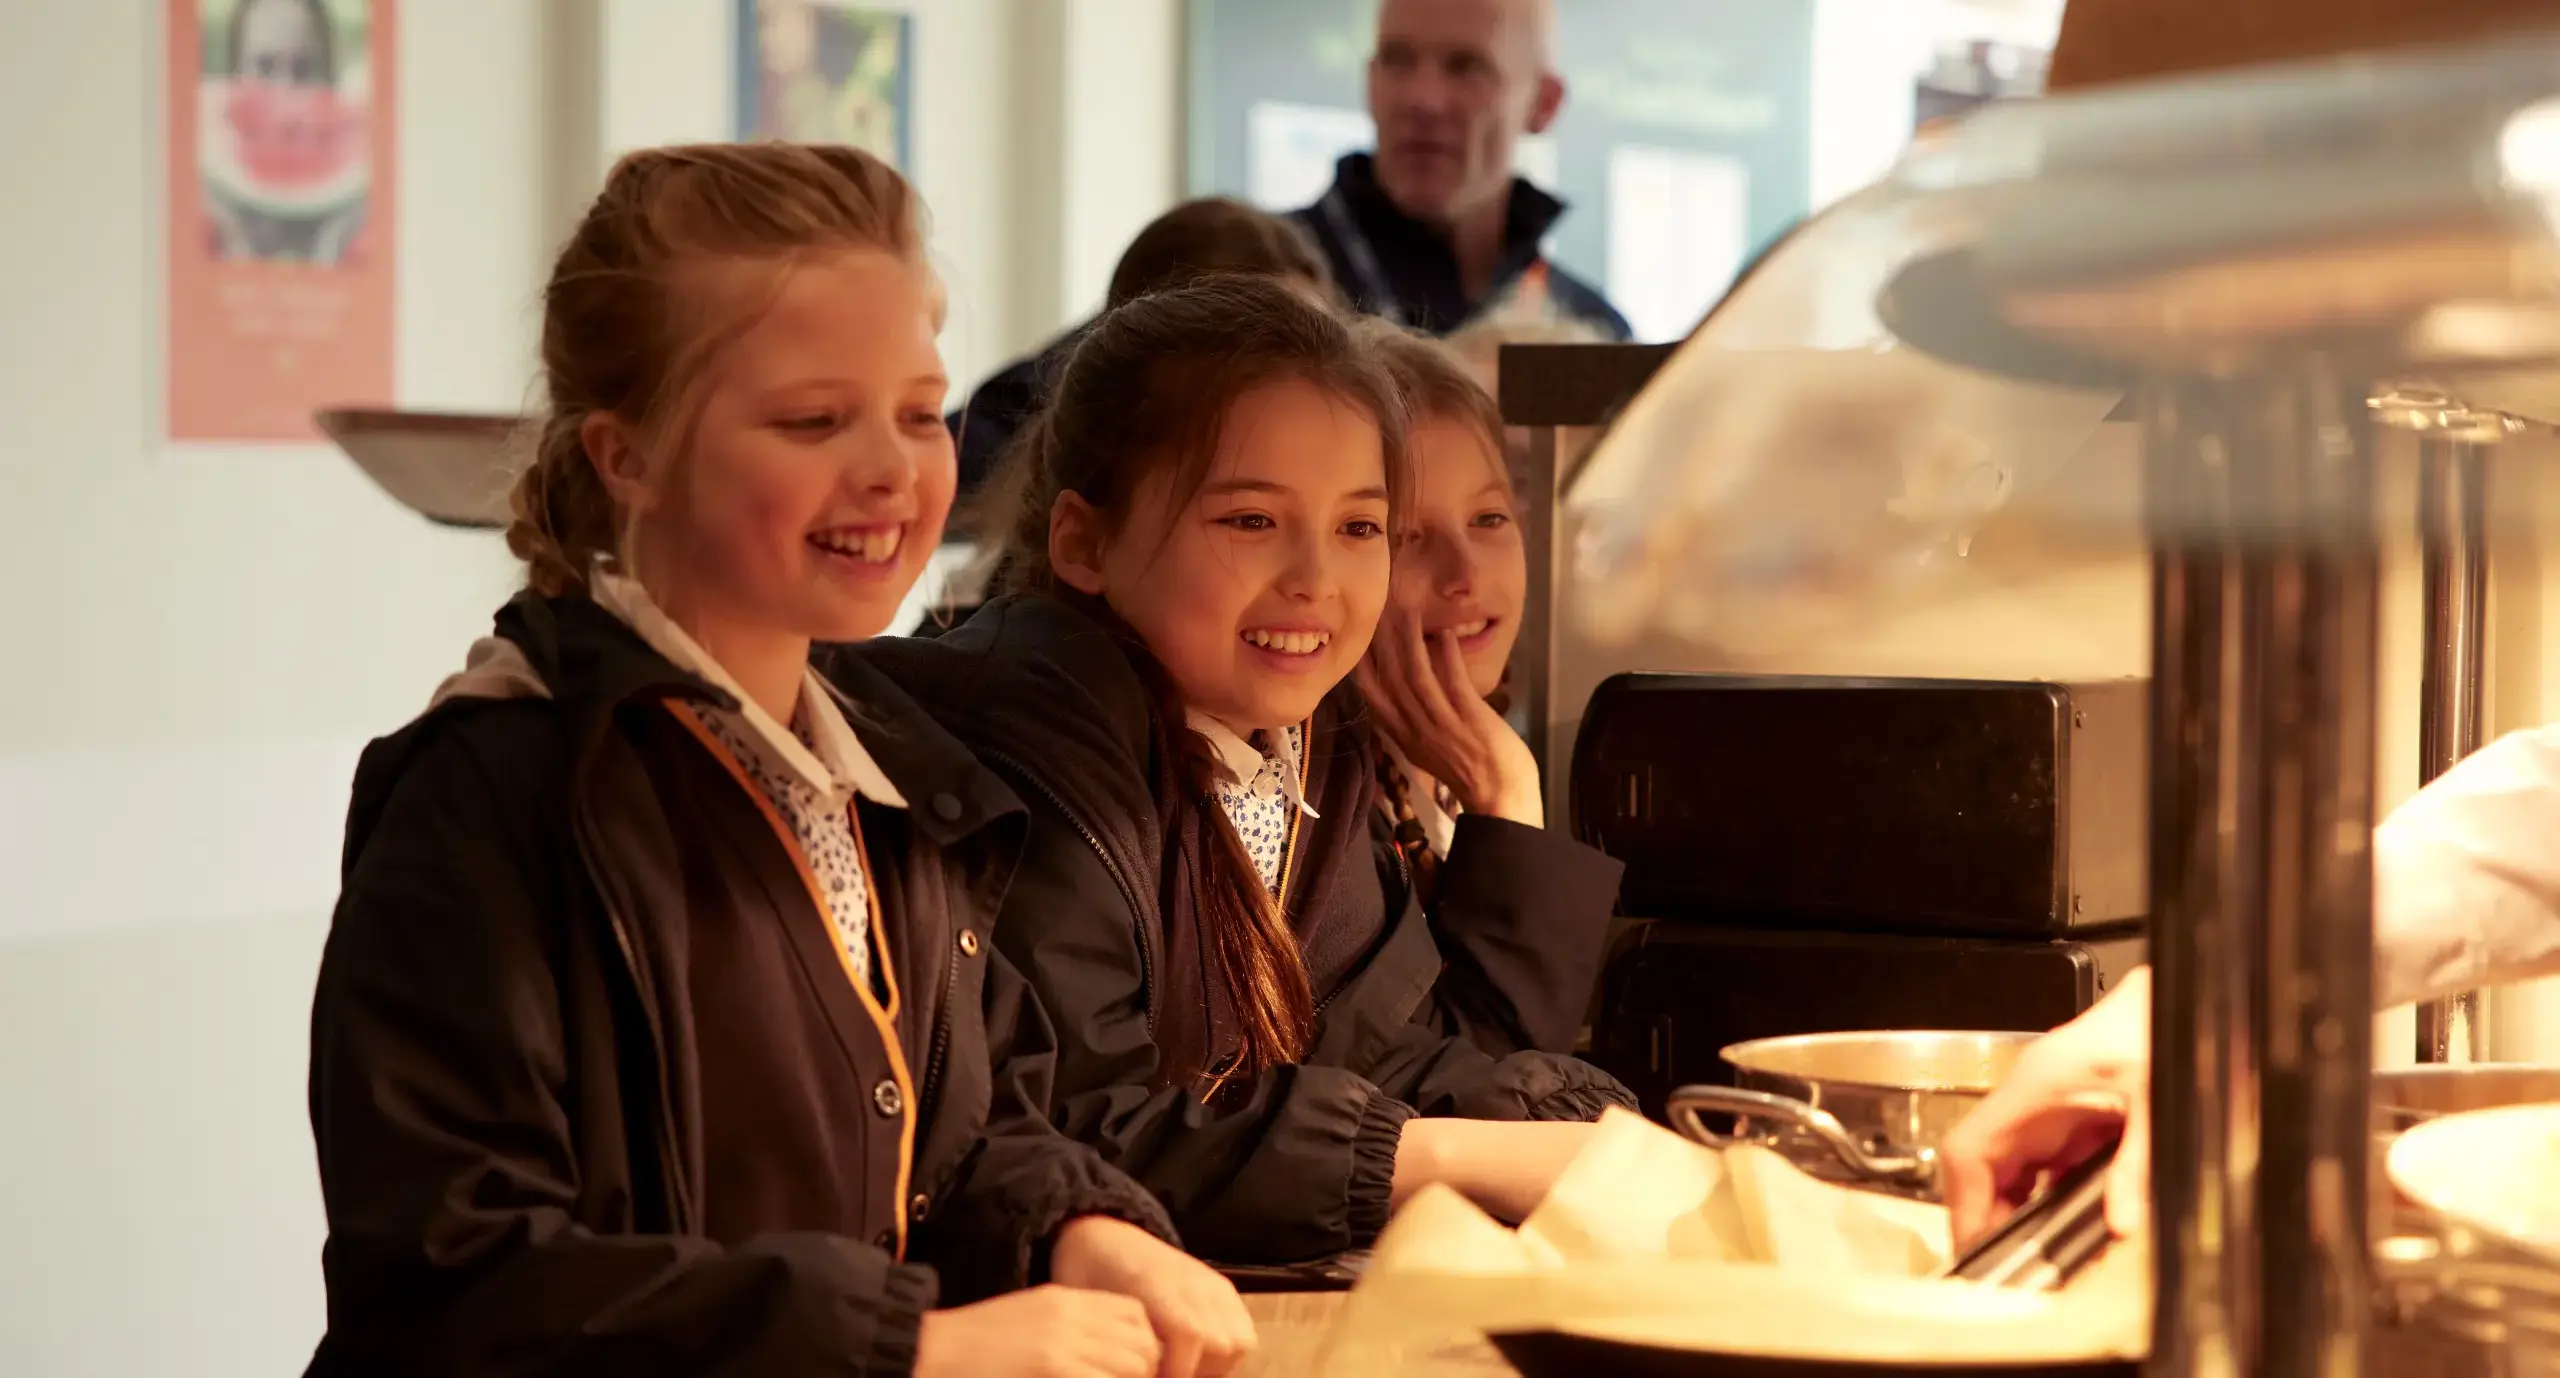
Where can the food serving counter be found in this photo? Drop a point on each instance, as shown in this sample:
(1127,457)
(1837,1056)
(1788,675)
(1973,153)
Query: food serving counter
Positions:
(2270,278)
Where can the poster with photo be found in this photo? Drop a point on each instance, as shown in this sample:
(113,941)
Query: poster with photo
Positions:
(814,71)
(281,175)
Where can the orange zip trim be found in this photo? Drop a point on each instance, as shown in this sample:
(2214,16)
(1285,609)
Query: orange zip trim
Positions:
(881,1018)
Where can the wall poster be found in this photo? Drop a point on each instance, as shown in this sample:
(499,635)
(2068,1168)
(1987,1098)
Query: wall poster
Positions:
(281,186)
(815,71)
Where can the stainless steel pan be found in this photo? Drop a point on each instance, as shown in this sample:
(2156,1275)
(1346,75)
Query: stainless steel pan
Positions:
(1871,1107)
(1868,1108)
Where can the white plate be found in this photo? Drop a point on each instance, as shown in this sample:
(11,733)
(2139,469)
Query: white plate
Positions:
(2496,1171)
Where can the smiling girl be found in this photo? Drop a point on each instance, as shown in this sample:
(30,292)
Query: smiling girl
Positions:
(660,1029)
(1254,1017)
(1528,910)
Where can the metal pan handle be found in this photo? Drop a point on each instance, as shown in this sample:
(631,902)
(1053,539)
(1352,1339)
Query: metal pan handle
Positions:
(1687,1104)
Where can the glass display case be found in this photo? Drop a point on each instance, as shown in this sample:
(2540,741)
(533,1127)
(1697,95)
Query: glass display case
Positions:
(2147,351)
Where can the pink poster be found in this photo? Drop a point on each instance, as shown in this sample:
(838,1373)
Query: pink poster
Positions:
(280,214)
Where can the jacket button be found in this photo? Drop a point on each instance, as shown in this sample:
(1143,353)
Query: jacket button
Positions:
(968,942)
(887,1097)
(946,806)
(917,1207)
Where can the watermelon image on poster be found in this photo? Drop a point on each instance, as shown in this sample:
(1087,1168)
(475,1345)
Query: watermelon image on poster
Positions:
(282,150)
(294,140)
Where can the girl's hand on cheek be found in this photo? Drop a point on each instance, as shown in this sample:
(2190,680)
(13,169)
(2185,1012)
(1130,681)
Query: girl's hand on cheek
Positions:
(1423,697)
(1196,1313)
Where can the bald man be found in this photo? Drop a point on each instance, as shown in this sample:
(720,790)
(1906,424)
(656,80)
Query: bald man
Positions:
(1434,227)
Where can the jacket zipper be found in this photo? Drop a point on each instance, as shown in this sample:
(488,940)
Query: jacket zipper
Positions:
(1128,892)
(932,1084)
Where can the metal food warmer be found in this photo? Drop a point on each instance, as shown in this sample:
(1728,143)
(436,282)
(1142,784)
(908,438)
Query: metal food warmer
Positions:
(2122,384)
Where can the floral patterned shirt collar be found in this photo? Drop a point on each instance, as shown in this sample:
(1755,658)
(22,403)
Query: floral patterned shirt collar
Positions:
(1241,763)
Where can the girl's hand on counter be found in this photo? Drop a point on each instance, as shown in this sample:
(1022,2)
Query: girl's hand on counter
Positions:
(1195,1313)
(2070,1092)
(1504,1166)
(1044,1332)
(1419,688)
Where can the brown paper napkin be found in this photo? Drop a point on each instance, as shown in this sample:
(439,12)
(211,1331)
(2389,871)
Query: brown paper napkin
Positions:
(1652,1239)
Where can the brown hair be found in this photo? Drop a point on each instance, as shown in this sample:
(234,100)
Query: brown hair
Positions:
(1148,389)
(1212,237)
(628,328)
(1437,384)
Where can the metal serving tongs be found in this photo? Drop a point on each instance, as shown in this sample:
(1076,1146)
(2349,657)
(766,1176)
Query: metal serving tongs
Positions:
(2050,1239)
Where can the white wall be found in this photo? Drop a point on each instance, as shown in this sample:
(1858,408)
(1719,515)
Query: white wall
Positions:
(205,637)
(1123,137)
(209,636)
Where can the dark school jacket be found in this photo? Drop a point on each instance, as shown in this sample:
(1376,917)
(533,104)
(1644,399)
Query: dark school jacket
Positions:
(590,1089)
(1296,1163)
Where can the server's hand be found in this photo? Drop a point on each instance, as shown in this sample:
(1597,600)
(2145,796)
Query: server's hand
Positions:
(2070,1093)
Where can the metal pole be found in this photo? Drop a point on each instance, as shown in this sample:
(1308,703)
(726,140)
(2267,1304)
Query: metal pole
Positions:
(1533,664)
(2454,551)
(2264,625)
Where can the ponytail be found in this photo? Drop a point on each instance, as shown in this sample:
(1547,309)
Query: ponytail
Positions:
(564,518)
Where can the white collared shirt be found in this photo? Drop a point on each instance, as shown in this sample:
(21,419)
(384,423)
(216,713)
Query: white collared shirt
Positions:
(1258,789)
(810,771)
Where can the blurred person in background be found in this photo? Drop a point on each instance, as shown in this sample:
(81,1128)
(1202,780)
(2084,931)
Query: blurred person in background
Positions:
(1213,235)
(1435,226)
